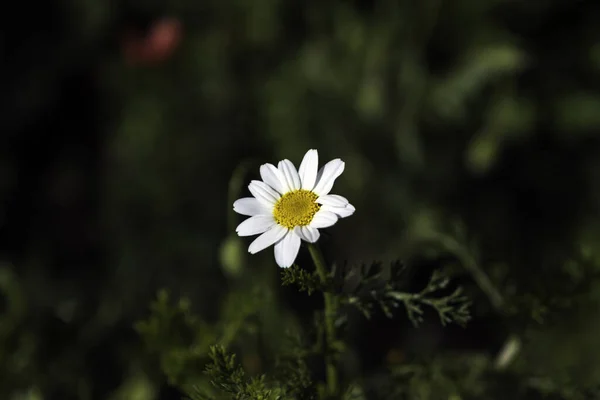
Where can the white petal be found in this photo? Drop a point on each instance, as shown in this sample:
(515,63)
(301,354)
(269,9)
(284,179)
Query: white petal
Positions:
(273,177)
(323,219)
(290,174)
(327,176)
(307,233)
(341,212)
(249,206)
(333,200)
(268,238)
(287,249)
(263,192)
(255,225)
(308,169)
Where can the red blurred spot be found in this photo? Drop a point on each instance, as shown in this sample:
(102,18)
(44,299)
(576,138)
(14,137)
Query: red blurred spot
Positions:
(156,46)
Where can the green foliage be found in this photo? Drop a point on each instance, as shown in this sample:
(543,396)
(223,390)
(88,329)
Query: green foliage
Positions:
(292,370)
(451,308)
(477,376)
(440,378)
(372,284)
(305,280)
(230,378)
(291,377)
(16,346)
(182,340)
(179,337)
(556,294)
(484,112)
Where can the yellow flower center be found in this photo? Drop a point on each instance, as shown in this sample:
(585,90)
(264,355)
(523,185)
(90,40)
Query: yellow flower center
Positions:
(296,208)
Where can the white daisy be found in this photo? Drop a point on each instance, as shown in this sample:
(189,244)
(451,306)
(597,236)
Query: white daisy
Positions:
(290,205)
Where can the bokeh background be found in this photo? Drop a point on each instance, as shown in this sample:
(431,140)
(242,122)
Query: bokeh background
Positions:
(470,131)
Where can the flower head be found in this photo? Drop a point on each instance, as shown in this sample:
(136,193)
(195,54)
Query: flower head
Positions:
(290,205)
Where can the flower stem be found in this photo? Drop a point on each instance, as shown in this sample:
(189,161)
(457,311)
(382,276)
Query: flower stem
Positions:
(330,310)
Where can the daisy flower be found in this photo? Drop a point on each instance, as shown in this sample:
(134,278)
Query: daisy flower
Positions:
(290,205)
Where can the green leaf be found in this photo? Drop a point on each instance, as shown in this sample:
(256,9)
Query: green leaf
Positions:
(367,286)
(306,281)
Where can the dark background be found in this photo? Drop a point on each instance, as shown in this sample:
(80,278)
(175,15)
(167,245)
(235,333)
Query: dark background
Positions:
(128,128)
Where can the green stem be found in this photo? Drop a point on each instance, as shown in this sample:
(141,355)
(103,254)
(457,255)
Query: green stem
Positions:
(330,310)
(480,277)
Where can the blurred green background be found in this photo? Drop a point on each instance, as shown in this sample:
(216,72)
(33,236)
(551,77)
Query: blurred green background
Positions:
(470,131)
